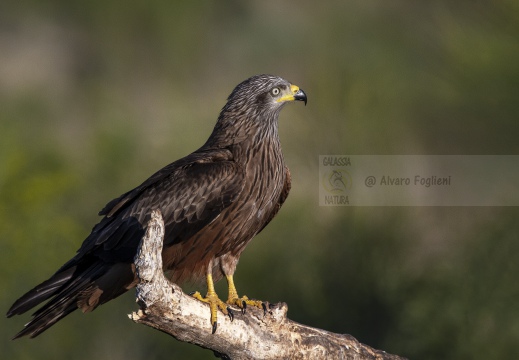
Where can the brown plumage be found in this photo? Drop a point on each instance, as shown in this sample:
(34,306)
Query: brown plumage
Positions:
(213,201)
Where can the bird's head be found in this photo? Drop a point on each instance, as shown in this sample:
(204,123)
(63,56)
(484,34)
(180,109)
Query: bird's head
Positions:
(262,93)
(253,106)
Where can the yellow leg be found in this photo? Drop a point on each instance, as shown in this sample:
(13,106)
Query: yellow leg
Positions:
(242,302)
(214,302)
(233,294)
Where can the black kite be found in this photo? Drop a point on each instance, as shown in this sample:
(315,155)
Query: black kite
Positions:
(214,201)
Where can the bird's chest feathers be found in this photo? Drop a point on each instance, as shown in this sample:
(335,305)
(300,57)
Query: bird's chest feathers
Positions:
(264,178)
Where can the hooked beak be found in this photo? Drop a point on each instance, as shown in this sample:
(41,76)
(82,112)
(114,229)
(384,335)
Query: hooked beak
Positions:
(300,95)
(295,93)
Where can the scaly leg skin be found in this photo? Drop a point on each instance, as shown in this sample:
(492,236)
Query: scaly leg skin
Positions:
(244,300)
(214,302)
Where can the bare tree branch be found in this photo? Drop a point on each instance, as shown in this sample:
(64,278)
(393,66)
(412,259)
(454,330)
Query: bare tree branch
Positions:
(249,336)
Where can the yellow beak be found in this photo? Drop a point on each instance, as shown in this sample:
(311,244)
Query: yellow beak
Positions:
(295,94)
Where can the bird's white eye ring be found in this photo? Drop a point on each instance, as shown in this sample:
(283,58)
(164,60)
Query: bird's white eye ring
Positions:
(275,91)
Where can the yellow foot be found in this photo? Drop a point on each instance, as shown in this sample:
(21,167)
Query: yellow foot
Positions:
(244,301)
(214,304)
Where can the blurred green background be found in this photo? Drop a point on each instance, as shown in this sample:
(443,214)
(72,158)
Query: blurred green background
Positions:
(95,96)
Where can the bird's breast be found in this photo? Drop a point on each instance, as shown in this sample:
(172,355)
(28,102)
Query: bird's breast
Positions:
(264,179)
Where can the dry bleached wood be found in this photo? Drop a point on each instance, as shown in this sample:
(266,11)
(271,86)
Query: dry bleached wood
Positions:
(249,336)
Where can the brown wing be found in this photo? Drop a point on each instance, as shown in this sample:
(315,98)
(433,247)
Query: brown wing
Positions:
(190,193)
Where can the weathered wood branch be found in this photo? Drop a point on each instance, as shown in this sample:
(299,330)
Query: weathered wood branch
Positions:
(249,336)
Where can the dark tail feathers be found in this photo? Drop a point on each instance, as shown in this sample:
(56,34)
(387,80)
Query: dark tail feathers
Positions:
(65,287)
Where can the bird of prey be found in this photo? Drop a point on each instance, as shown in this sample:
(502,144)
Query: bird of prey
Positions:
(213,201)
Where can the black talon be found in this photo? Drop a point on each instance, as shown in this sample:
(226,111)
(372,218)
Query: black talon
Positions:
(230,314)
(244,307)
(192,293)
(215,324)
(264,308)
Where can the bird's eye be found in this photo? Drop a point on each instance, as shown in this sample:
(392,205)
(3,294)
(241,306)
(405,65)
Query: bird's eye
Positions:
(275,91)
